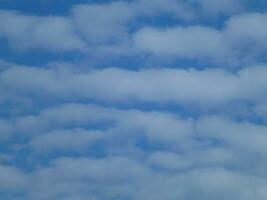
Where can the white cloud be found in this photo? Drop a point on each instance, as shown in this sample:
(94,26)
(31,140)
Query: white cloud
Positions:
(149,140)
(65,140)
(248,29)
(189,42)
(154,173)
(168,161)
(101,178)
(242,136)
(12,179)
(50,32)
(121,177)
(88,27)
(100,26)
(242,39)
(103,23)
(158,127)
(109,28)
(151,85)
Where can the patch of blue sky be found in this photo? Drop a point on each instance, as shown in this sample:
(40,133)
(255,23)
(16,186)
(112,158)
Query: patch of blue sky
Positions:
(45,7)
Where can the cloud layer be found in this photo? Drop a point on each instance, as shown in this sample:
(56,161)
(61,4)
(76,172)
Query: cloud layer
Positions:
(126,100)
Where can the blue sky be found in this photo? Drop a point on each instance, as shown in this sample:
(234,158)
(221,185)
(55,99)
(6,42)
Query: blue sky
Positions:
(133,100)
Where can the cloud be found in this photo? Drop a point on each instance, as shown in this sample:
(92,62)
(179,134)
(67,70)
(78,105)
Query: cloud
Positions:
(65,140)
(29,32)
(180,86)
(158,127)
(12,179)
(168,161)
(124,28)
(189,42)
(243,136)
(87,177)
(121,177)
(87,27)
(130,129)
(103,24)
(241,40)
(218,147)
(248,30)
(223,142)
(95,26)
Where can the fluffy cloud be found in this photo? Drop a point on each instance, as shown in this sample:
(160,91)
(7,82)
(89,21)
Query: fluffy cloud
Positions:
(66,140)
(100,26)
(151,85)
(113,28)
(244,136)
(95,24)
(130,129)
(248,30)
(55,33)
(190,42)
(176,152)
(159,127)
(168,161)
(12,179)
(242,39)
(120,177)
(103,24)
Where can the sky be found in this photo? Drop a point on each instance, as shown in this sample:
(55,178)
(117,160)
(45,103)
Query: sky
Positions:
(133,100)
